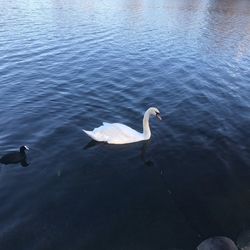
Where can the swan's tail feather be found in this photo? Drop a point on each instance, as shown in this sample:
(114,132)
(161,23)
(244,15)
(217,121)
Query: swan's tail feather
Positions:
(90,134)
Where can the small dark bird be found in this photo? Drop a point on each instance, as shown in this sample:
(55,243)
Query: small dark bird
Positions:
(16,157)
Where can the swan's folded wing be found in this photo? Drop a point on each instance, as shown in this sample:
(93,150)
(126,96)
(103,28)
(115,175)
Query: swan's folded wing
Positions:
(120,133)
(106,123)
(115,133)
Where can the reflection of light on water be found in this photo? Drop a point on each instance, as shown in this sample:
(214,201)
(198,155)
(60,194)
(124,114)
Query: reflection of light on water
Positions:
(134,5)
(228,28)
(194,14)
(244,45)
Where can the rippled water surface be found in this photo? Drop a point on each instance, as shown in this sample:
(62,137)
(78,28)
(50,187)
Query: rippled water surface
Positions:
(67,65)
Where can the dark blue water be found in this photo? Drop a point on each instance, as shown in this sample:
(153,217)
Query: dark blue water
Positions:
(67,65)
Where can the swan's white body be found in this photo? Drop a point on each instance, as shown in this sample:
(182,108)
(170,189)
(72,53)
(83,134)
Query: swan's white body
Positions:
(117,133)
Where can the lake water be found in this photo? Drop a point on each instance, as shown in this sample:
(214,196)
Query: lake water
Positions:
(67,65)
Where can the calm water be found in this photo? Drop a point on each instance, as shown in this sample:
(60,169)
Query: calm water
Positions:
(67,65)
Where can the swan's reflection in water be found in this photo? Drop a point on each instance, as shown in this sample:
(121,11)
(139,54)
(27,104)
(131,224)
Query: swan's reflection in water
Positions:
(143,149)
(144,157)
(93,144)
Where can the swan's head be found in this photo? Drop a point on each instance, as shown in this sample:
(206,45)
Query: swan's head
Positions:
(155,112)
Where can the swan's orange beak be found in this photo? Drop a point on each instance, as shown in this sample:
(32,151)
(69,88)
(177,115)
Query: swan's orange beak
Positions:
(158,116)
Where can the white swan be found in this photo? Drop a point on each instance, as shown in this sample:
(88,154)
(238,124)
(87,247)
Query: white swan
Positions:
(117,133)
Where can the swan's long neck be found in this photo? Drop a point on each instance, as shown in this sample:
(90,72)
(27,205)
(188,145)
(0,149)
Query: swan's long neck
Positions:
(146,128)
